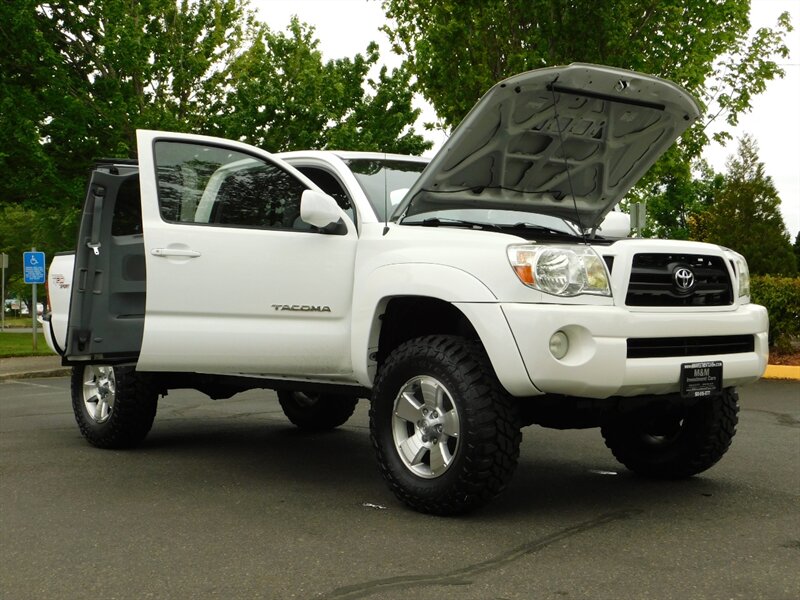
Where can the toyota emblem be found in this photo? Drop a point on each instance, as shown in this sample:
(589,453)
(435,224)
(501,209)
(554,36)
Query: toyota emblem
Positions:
(683,278)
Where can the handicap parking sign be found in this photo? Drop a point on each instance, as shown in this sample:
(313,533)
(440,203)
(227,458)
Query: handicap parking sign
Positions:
(33,263)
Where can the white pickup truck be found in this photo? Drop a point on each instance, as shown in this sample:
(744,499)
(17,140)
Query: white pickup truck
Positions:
(465,297)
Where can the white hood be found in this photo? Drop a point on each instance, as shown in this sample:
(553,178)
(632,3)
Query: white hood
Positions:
(512,150)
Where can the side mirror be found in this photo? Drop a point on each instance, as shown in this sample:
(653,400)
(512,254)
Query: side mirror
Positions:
(318,209)
(615,225)
(395,196)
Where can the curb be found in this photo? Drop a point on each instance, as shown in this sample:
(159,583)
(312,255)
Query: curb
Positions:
(782,372)
(62,372)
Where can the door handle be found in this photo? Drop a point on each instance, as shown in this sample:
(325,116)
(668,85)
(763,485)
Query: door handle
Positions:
(167,252)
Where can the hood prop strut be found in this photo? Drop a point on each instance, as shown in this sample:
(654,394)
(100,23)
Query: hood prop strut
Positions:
(552,87)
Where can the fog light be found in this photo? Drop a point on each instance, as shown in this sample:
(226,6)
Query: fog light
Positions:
(559,344)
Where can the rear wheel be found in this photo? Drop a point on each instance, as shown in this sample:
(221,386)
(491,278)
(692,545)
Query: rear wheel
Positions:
(445,433)
(675,444)
(114,406)
(317,412)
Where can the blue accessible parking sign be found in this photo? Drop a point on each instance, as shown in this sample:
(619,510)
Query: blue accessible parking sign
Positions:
(33,264)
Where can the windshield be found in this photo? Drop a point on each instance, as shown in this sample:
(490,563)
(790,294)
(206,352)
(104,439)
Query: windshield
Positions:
(385,181)
(493,218)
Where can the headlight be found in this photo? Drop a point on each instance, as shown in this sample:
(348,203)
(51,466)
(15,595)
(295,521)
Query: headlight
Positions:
(744,276)
(560,270)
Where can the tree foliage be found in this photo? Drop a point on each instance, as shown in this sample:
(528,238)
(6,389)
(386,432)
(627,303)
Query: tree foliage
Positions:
(781,297)
(21,229)
(796,248)
(285,97)
(745,215)
(676,198)
(91,72)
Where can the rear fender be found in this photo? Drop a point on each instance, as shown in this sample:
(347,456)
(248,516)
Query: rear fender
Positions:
(59,282)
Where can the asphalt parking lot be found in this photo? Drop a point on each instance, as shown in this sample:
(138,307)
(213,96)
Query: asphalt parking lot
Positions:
(227,500)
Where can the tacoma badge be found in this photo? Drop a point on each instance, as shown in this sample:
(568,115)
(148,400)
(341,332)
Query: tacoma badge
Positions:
(301,308)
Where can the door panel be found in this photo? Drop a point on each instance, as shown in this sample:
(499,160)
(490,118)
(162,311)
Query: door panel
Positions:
(107,303)
(237,283)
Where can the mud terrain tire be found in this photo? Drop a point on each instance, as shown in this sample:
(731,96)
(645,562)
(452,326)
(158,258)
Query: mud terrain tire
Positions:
(677,445)
(445,433)
(114,406)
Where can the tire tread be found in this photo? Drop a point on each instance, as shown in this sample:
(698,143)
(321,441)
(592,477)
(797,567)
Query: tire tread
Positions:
(706,440)
(490,423)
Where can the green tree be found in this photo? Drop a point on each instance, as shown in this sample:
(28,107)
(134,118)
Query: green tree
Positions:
(797,249)
(745,215)
(676,199)
(22,228)
(285,97)
(457,50)
(79,77)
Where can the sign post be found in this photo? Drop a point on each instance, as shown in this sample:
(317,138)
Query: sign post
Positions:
(4,263)
(33,265)
(638,213)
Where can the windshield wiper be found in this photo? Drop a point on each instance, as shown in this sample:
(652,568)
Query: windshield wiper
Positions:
(437,222)
(532,226)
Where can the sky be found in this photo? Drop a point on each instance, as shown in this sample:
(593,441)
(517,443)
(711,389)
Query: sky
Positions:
(345,27)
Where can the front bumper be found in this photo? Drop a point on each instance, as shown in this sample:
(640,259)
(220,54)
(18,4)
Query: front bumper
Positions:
(597,365)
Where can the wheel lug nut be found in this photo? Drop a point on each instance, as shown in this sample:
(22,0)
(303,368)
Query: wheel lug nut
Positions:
(439,428)
(424,438)
(435,415)
(424,412)
(435,441)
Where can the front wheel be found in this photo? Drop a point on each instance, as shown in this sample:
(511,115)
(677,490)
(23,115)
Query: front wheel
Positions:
(114,406)
(445,433)
(675,444)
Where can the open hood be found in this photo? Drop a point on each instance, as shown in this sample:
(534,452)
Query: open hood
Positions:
(538,137)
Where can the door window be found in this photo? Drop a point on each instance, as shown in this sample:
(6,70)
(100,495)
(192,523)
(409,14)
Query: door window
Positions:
(211,185)
(127,219)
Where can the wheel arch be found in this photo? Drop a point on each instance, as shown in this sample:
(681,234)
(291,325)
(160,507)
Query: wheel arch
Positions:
(403,301)
(408,317)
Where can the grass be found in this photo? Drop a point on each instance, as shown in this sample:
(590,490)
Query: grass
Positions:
(21,344)
(18,321)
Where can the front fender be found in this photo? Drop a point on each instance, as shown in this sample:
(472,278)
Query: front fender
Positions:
(450,284)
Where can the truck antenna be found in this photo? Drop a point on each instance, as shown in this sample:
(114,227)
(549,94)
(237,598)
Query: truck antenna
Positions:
(385,197)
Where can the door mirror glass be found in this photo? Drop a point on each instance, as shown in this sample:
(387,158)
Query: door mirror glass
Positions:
(318,209)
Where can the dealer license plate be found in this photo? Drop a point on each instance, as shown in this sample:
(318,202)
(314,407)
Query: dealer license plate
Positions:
(701,379)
